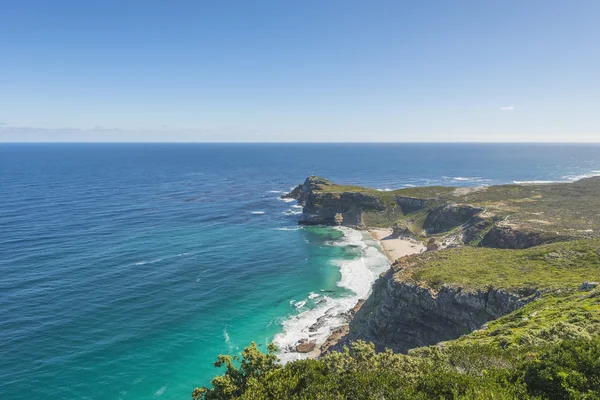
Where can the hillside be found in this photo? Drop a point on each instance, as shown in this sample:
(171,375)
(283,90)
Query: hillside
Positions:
(508,307)
(439,296)
(504,216)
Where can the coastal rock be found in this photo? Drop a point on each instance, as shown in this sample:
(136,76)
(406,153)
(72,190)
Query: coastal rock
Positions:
(321,206)
(311,184)
(297,194)
(335,336)
(400,231)
(321,321)
(304,346)
(403,315)
(432,245)
(477,227)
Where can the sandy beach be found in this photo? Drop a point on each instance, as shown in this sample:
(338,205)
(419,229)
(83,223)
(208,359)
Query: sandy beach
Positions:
(395,248)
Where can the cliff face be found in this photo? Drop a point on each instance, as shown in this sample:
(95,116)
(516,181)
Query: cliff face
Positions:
(421,301)
(321,206)
(509,237)
(411,204)
(401,315)
(504,216)
(448,216)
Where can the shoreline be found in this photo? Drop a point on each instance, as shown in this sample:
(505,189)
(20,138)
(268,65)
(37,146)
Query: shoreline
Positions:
(306,333)
(393,248)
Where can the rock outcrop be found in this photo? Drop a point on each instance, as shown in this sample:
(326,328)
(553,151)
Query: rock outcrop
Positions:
(403,315)
(503,216)
(411,204)
(321,206)
(305,346)
(399,231)
(505,236)
(449,216)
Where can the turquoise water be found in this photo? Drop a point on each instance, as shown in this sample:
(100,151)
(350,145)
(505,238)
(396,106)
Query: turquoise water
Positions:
(127,268)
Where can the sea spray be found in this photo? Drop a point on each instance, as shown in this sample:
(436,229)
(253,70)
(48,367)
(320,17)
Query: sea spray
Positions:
(327,313)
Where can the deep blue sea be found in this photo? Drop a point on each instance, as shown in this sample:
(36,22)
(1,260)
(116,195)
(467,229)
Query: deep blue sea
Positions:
(125,269)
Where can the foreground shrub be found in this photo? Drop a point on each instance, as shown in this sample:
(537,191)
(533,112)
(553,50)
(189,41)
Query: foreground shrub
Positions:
(567,370)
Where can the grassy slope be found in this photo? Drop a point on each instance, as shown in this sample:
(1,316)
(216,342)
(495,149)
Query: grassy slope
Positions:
(557,270)
(549,267)
(557,316)
(564,208)
(516,356)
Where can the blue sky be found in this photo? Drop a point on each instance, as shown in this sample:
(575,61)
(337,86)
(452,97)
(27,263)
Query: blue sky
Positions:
(510,70)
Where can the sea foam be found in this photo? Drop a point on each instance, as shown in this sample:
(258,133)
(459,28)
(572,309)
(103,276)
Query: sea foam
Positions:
(357,276)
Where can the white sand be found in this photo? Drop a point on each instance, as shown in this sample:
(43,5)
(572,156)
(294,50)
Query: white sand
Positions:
(396,248)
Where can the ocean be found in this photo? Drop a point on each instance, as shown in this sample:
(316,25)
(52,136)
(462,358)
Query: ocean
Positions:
(127,268)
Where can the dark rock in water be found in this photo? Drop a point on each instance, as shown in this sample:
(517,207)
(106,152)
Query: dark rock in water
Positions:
(304,346)
(321,321)
(296,194)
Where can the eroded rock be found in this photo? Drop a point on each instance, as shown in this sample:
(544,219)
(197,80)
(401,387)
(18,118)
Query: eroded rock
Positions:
(305,346)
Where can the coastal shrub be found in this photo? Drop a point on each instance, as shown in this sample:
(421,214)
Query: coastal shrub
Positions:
(567,315)
(569,369)
(241,373)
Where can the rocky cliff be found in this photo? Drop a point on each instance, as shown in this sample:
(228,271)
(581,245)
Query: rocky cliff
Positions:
(505,216)
(442,295)
(439,296)
(321,201)
(404,315)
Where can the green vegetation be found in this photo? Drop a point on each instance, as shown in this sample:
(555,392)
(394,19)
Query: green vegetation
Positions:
(550,319)
(563,265)
(566,370)
(339,218)
(423,192)
(548,349)
(554,211)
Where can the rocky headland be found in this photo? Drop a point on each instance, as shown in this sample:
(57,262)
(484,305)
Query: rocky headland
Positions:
(485,253)
(501,300)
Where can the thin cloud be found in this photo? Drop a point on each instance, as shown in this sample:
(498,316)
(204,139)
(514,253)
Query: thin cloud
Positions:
(507,108)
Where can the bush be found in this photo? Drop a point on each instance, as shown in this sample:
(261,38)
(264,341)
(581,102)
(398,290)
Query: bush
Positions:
(567,370)
(570,370)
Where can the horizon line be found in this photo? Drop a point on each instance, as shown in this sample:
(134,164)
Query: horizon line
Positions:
(273,142)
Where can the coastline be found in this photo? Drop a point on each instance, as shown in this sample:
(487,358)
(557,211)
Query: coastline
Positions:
(395,248)
(315,329)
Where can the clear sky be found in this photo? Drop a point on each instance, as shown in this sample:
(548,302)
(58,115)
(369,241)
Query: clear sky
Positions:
(300,70)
